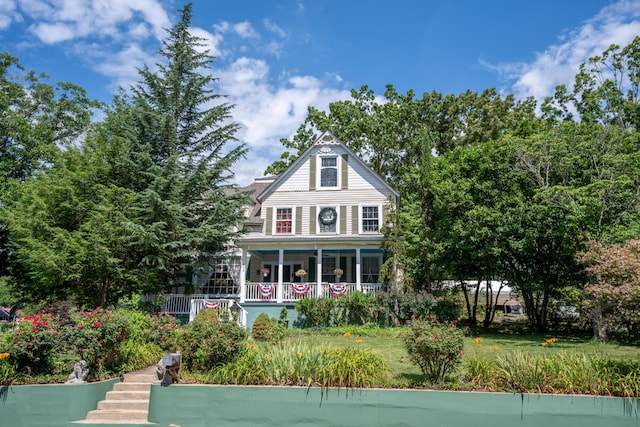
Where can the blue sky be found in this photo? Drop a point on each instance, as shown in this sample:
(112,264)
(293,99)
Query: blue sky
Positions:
(275,58)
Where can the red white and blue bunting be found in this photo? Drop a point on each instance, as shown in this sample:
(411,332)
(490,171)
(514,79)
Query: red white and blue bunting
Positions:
(210,304)
(338,289)
(300,288)
(266,289)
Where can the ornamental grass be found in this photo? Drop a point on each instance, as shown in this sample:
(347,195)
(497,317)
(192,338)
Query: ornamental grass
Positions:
(560,373)
(303,364)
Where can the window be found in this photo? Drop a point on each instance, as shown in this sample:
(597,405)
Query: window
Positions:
(329,172)
(328,265)
(284,221)
(327,219)
(370,269)
(370,219)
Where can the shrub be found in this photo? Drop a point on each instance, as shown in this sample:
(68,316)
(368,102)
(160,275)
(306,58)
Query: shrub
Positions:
(400,307)
(163,331)
(32,344)
(436,349)
(97,337)
(208,342)
(356,308)
(317,311)
(267,328)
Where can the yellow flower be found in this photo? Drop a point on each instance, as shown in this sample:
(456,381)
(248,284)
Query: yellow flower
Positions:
(477,340)
(4,355)
(347,334)
(496,347)
(544,344)
(254,345)
(358,340)
(299,354)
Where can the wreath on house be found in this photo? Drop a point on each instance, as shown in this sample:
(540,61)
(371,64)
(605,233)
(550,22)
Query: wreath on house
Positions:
(327,216)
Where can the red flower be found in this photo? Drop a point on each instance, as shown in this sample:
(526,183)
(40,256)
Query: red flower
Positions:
(455,321)
(97,324)
(220,332)
(121,337)
(466,327)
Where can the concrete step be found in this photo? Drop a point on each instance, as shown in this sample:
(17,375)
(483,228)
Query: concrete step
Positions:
(132,386)
(128,395)
(114,416)
(109,405)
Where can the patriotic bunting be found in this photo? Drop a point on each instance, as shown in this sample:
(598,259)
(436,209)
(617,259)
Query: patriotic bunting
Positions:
(300,288)
(338,289)
(266,289)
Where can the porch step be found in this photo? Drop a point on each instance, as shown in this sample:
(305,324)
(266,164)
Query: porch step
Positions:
(127,403)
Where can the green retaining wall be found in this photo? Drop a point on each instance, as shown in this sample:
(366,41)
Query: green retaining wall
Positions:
(201,406)
(50,405)
(273,310)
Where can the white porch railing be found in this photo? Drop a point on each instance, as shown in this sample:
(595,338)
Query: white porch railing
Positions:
(291,292)
(180,305)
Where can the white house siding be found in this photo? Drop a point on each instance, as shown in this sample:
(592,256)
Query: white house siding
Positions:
(298,180)
(308,199)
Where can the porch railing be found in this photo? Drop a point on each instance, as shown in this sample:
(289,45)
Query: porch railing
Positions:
(291,292)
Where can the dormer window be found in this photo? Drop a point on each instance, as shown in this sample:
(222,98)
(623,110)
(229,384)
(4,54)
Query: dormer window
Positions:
(329,172)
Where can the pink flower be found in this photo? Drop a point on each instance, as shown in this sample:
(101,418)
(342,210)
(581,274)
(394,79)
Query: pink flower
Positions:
(466,327)
(455,321)
(461,352)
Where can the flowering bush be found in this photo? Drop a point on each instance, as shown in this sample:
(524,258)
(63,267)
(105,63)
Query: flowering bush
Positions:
(6,369)
(163,331)
(436,349)
(33,342)
(96,337)
(208,342)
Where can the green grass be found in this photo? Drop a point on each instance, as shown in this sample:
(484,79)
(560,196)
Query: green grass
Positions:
(478,344)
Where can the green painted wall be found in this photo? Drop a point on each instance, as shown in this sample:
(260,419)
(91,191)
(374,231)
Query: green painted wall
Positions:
(202,406)
(50,405)
(273,310)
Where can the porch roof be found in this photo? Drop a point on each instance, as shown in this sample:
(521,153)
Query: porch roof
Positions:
(337,242)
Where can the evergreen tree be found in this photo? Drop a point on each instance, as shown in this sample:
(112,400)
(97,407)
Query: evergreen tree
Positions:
(182,131)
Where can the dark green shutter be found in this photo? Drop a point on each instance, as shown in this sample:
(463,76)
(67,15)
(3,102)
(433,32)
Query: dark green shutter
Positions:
(312,219)
(345,172)
(343,220)
(353,269)
(267,226)
(354,220)
(298,229)
(312,269)
(312,173)
(343,267)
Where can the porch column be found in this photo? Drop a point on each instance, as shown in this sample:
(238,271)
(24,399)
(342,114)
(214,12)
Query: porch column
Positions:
(280,278)
(243,275)
(319,274)
(358,275)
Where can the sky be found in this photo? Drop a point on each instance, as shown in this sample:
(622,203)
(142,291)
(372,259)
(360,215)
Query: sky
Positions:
(275,58)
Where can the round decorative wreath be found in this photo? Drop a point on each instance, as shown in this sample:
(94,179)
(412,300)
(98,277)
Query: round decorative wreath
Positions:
(327,216)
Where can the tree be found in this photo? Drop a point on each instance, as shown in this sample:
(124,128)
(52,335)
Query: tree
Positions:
(182,131)
(36,121)
(613,289)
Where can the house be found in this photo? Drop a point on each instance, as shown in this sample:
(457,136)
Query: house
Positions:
(313,231)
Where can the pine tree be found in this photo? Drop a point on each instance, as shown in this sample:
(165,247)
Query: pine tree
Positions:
(183,129)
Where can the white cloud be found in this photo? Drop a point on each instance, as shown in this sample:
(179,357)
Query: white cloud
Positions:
(7,13)
(617,23)
(211,41)
(245,30)
(122,68)
(268,112)
(62,20)
(274,28)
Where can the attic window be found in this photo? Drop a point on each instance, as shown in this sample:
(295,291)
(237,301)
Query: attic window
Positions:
(329,172)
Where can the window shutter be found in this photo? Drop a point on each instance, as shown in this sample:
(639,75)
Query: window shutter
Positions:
(312,218)
(298,229)
(343,220)
(312,173)
(312,269)
(268,223)
(355,220)
(345,172)
(343,267)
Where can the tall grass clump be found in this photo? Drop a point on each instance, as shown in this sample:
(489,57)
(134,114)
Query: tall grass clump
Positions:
(560,373)
(303,364)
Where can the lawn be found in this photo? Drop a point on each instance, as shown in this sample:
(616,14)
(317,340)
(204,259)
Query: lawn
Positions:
(480,343)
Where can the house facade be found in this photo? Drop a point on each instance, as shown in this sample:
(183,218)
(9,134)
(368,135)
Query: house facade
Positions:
(313,231)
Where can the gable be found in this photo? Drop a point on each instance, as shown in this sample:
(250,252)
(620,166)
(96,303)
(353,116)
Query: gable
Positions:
(309,172)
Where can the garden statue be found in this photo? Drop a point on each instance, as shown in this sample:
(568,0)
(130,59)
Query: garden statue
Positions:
(79,373)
